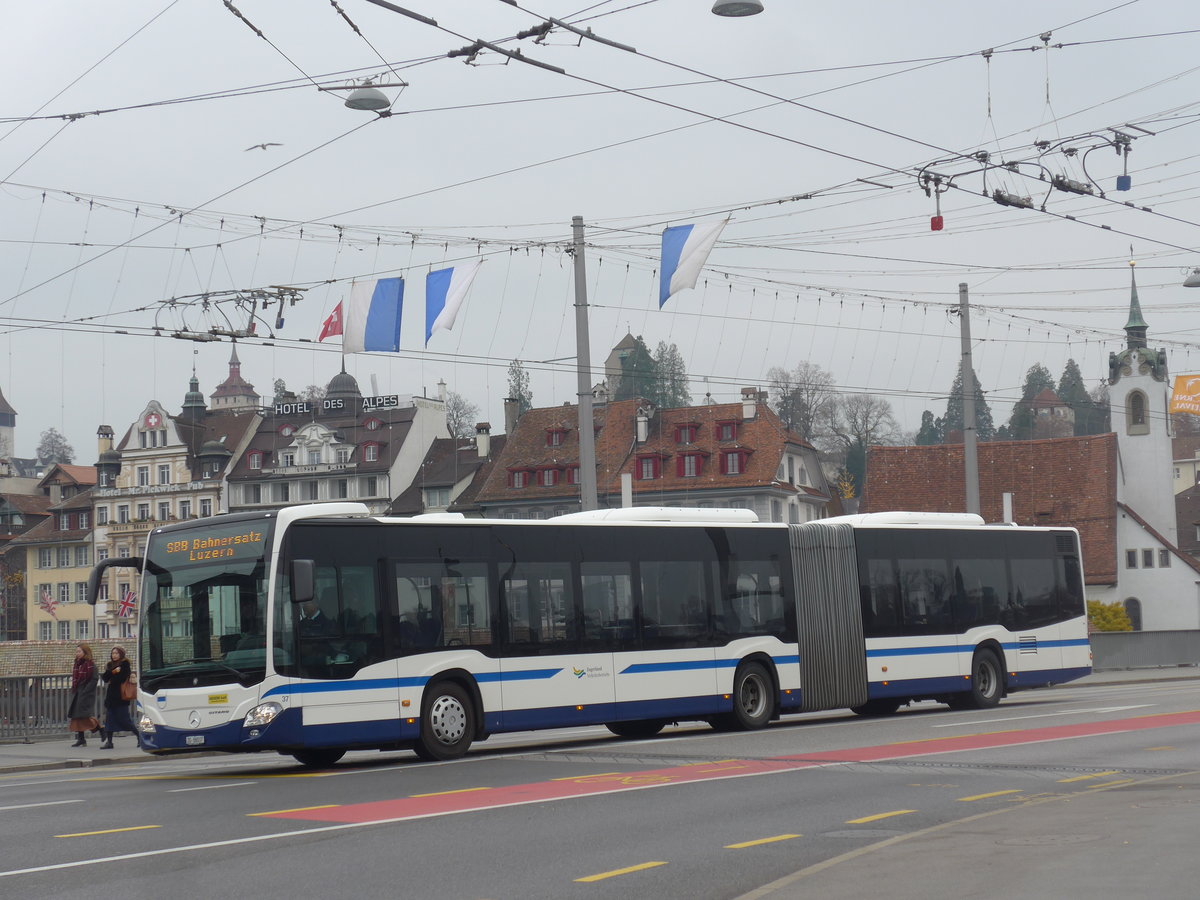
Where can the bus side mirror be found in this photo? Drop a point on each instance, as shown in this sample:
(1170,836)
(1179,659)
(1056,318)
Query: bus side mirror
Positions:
(303,580)
(93,582)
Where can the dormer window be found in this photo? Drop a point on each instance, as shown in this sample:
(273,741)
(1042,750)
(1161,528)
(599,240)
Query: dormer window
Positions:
(520,478)
(370,452)
(689,465)
(548,477)
(372,424)
(255,459)
(733,462)
(648,468)
(287,429)
(573,478)
(727,431)
(686,433)
(287,458)
(555,437)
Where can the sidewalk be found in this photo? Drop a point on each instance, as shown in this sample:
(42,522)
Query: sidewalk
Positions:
(57,752)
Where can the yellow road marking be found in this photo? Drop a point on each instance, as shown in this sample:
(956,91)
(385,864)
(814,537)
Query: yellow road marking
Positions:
(1088,777)
(444,793)
(770,840)
(615,872)
(878,816)
(987,796)
(108,831)
(723,769)
(1160,748)
(1112,783)
(276,812)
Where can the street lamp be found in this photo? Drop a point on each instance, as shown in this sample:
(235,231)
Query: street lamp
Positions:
(733,8)
(368,98)
(1193,280)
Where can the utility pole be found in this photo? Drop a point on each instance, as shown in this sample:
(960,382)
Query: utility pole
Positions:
(583,371)
(970,454)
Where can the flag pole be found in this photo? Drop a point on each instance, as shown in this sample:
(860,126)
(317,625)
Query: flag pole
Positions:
(583,371)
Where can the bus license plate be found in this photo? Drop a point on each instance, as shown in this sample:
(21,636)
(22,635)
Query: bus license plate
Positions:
(193,740)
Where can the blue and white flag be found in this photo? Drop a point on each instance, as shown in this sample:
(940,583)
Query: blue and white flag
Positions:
(685,249)
(445,291)
(373,316)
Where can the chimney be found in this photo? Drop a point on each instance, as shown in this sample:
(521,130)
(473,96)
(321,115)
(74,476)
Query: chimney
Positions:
(483,439)
(441,390)
(749,403)
(643,423)
(104,438)
(511,408)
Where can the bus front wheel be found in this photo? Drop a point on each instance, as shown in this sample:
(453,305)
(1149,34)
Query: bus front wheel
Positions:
(447,722)
(752,707)
(319,757)
(987,683)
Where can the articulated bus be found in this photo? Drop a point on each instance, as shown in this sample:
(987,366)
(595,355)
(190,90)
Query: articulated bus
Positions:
(319,629)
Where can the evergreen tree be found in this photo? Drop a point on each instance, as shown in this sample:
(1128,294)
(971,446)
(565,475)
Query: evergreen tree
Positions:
(952,422)
(1073,392)
(671,388)
(930,432)
(518,387)
(638,373)
(1020,424)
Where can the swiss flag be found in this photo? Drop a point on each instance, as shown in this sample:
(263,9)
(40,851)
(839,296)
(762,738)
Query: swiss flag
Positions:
(333,325)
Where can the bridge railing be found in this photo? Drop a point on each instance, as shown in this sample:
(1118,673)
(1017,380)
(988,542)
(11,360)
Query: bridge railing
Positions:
(34,706)
(1145,649)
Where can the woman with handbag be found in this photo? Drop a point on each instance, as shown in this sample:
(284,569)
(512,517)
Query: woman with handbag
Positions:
(82,708)
(118,675)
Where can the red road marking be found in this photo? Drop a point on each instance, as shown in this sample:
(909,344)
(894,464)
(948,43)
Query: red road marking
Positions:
(589,785)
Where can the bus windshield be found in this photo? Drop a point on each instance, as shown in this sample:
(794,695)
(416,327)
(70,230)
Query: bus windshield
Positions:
(204,620)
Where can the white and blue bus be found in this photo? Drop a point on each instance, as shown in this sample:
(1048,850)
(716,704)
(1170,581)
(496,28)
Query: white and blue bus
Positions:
(319,629)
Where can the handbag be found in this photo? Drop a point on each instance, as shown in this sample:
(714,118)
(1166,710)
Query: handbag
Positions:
(129,689)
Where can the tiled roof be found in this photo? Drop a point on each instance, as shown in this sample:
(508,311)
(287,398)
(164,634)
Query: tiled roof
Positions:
(1062,481)
(78,474)
(1185,446)
(762,438)
(27,504)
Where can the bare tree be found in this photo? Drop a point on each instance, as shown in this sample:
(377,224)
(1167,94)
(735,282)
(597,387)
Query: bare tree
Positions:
(856,422)
(803,397)
(461,415)
(314,394)
(53,447)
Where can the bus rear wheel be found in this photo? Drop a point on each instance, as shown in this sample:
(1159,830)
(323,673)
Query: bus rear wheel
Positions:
(987,683)
(319,757)
(752,706)
(447,722)
(642,728)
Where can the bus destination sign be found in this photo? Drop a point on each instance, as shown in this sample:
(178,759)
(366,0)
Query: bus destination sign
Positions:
(214,544)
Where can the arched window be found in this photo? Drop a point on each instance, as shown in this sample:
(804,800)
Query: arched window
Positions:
(1133,609)
(1135,413)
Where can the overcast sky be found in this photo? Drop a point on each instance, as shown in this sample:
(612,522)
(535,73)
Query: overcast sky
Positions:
(830,112)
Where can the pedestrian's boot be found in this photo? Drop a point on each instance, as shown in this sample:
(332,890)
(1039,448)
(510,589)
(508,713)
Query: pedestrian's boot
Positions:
(80,740)
(107,736)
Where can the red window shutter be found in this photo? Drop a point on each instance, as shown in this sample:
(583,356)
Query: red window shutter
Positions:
(679,463)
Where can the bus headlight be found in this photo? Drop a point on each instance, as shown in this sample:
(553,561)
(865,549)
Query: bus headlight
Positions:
(145,726)
(262,714)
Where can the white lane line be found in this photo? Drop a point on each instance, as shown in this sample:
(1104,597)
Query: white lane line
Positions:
(1061,712)
(33,805)
(210,787)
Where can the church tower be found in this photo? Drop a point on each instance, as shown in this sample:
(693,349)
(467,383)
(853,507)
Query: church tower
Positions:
(1140,395)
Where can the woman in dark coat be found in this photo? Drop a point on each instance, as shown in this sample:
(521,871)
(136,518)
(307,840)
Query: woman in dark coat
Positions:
(117,672)
(82,709)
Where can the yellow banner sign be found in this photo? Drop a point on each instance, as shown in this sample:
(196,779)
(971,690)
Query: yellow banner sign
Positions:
(1186,396)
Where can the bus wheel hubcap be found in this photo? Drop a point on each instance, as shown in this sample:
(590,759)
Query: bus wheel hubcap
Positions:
(448,720)
(753,696)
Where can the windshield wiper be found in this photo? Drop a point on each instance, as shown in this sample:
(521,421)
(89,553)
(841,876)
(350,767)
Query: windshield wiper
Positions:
(216,662)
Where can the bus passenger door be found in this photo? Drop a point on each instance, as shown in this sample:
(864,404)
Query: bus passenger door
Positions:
(552,674)
(1032,617)
(666,667)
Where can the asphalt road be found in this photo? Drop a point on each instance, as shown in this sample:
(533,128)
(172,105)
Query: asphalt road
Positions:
(928,802)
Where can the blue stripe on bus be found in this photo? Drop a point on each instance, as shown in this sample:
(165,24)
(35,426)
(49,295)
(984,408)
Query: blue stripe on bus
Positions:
(968,648)
(518,675)
(325,687)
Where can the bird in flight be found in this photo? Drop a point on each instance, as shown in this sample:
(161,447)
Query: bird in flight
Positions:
(262,146)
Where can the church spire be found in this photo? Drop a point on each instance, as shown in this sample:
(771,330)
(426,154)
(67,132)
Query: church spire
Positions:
(1135,328)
